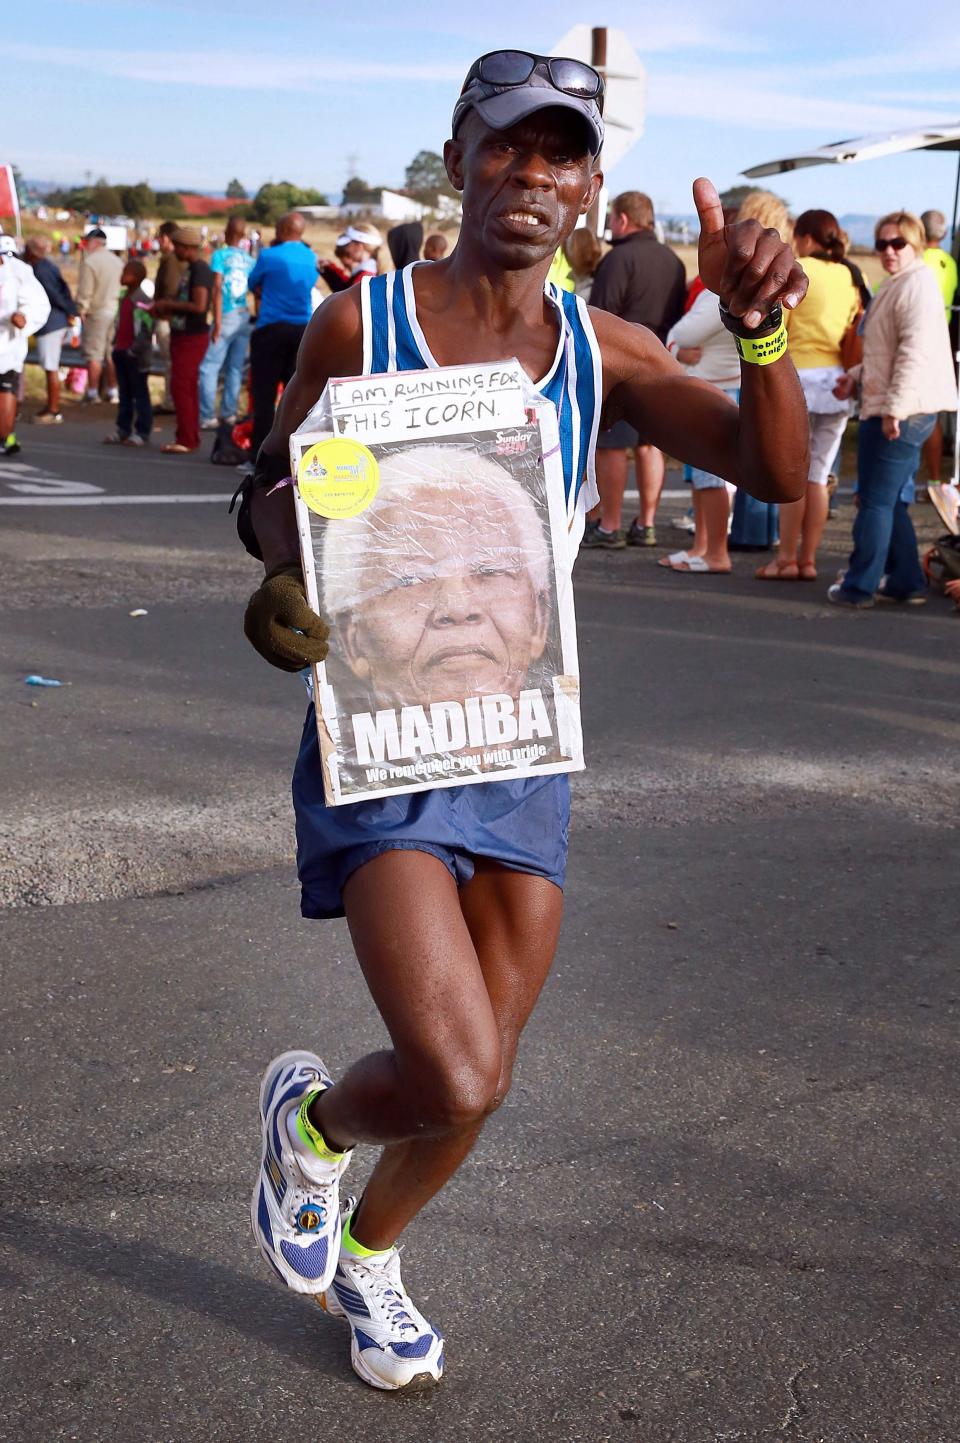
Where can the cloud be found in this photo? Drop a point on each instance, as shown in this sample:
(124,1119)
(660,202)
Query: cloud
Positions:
(780,102)
(241,70)
(674,35)
(937,58)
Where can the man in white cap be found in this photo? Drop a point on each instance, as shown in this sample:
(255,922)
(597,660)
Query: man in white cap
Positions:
(23,309)
(369,240)
(342,272)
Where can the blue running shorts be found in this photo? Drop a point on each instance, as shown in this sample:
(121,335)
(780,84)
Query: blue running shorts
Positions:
(522,824)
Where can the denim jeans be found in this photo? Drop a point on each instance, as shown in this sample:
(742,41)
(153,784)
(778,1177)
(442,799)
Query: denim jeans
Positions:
(227,354)
(883,536)
(134,395)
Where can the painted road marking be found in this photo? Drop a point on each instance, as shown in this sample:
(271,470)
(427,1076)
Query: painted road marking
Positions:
(35,487)
(29,480)
(220,497)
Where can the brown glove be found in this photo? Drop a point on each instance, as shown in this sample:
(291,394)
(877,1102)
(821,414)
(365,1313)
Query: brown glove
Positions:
(279,623)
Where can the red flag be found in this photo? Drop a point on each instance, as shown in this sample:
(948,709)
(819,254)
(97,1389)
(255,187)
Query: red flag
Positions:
(9,204)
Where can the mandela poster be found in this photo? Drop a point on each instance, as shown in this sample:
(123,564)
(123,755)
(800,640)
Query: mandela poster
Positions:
(433,529)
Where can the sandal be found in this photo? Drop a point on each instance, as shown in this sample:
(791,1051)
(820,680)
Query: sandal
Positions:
(808,570)
(173,448)
(683,561)
(778,570)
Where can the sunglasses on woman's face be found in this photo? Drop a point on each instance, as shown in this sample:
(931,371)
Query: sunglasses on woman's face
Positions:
(894,243)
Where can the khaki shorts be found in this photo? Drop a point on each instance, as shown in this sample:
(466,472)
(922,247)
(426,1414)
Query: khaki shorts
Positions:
(95,340)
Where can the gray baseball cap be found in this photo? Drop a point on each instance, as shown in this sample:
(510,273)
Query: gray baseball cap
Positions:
(503,105)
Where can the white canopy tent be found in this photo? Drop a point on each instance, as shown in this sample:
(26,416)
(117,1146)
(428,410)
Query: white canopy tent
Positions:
(877,147)
(870,147)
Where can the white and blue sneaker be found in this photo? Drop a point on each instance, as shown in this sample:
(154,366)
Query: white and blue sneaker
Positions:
(295,1209)
(392,1344)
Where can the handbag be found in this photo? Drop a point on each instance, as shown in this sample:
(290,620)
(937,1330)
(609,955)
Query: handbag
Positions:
(942,562)
(851,343)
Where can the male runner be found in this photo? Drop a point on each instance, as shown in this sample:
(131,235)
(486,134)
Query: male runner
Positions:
(453,897)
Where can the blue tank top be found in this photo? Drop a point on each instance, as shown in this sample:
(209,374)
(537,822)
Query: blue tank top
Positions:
(394,341)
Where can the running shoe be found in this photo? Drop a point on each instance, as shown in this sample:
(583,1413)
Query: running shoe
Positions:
(641,535)
(295,1210)
(838,597)
(392,1344)
(595,536)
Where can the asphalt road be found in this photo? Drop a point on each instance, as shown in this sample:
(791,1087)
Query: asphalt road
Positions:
(720,1204)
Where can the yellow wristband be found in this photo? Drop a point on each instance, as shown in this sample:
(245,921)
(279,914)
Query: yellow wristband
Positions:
(765,350)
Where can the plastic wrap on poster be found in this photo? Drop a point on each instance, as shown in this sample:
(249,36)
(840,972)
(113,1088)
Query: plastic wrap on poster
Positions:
(434,535)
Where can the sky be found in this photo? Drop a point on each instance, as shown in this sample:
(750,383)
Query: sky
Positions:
(187,94)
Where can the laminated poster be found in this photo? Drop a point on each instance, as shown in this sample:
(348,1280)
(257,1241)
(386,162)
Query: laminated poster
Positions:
(434,535)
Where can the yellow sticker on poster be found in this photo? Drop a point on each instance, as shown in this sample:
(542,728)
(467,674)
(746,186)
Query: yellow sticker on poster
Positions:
(338,478)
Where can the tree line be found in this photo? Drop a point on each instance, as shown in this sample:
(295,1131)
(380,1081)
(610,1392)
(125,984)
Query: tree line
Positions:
(424,179)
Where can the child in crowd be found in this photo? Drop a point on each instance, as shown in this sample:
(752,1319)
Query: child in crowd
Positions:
(435,247)
(132,345)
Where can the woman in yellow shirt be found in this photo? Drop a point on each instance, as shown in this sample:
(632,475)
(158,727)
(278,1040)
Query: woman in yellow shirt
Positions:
(815,330)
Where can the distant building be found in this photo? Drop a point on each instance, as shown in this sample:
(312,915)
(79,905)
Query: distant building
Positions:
(203,205)
(386,205)
(320,212)
(394,205)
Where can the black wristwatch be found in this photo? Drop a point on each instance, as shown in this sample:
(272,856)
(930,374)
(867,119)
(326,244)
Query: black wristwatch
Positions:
(767,326)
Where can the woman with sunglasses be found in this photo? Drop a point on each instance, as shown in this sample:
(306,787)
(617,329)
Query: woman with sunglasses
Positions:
(905,378)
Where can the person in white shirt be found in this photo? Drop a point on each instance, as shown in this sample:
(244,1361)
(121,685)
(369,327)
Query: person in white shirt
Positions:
(23,309)
(368,242)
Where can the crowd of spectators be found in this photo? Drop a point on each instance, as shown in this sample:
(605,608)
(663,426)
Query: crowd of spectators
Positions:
(218,311)
(882,356)
(222,310)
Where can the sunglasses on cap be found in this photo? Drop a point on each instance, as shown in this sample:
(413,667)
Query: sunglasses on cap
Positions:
(507,68)
(895,243)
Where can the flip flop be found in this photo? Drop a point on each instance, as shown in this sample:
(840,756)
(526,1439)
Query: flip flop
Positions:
(682,561)
(807,571)
(175,449)
(763,573)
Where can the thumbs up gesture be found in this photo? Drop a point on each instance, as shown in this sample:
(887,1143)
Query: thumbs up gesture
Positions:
(749,268)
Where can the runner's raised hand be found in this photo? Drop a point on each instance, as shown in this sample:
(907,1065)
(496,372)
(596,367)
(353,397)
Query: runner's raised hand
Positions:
(751,269)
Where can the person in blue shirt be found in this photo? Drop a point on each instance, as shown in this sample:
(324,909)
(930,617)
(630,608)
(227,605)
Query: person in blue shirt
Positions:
(230,336)
(283,279)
